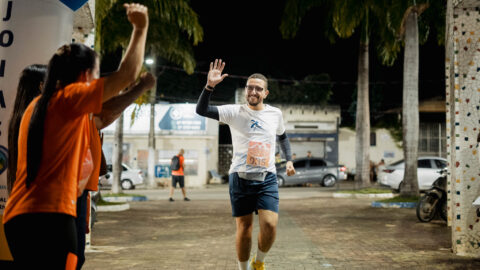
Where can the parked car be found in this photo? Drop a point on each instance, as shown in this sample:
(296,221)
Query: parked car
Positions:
(312,170)
(130,178)
(427,172)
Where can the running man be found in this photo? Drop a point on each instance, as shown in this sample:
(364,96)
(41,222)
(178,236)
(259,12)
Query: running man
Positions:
(252,176)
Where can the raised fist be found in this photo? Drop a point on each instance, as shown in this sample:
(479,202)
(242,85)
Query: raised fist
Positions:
(137,15)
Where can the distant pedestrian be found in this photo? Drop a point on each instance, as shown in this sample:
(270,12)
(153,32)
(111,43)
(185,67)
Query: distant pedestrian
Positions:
(373,171)
(278,157)
(309,154)
(379,168)
(294,156)
(178,175)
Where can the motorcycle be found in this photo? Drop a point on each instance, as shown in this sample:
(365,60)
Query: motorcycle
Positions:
(434,201)
(476,204)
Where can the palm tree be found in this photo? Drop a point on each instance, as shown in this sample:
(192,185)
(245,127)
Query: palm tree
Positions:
(346,17)
(404,24)
(117,156)
(174,28)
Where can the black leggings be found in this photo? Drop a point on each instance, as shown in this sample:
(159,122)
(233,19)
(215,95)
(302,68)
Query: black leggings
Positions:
(43,240)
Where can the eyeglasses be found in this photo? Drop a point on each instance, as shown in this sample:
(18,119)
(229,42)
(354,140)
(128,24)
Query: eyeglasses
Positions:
(250,88)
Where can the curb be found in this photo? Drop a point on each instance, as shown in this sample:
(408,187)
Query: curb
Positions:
(125,199)
(394,205)
(362,196)
(113,208)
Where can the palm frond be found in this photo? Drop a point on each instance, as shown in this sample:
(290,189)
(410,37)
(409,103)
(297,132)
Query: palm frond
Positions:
(181,14)
(102,8)
(294,12)
(347,16)
(174,28)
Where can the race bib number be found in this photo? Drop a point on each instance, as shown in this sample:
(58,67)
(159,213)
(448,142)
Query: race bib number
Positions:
(258,154)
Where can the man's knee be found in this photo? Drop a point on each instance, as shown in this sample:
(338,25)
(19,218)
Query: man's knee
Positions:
(268,221)
(244,225)
(245,228)
(269,226)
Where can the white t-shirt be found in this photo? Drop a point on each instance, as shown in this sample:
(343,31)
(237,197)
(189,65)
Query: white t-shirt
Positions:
(253,136)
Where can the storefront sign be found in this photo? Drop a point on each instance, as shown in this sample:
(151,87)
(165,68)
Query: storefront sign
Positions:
(182,117)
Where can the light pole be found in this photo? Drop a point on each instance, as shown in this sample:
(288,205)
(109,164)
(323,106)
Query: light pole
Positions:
(151,134)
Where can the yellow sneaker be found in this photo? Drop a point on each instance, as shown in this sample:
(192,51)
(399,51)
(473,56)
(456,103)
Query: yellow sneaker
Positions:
(254,265)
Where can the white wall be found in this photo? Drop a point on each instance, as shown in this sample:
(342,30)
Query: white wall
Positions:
(384,148)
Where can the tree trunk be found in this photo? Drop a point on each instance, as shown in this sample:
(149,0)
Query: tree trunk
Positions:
(117,155)
(362,124)
(410,117)
(151,133)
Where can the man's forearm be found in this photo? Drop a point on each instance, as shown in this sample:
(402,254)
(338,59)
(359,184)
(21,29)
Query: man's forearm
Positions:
(113,108)
(203,107)
(285,146)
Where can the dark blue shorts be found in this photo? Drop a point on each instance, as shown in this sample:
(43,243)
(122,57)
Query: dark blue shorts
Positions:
(248,196)
(180,179)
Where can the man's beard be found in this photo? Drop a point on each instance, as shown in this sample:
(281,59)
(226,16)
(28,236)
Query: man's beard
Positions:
(253,103)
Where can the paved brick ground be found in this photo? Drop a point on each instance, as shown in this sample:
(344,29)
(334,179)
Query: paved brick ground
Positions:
(314,233)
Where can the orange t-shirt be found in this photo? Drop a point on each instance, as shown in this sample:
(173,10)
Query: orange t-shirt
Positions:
(179,171)
(65,146)
(96,148)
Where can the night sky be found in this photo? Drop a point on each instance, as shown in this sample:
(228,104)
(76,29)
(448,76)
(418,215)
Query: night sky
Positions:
(246,35)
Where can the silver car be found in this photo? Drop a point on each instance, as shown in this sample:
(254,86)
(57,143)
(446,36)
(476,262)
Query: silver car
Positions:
(312,170)
(130,178)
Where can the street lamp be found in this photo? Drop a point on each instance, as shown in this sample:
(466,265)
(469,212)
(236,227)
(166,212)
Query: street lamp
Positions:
(149,61)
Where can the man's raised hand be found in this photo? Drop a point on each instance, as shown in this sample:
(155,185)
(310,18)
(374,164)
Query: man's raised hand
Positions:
(215,74)
(137,15)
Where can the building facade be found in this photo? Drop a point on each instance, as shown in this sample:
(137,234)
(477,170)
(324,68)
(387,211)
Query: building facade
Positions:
(177,126)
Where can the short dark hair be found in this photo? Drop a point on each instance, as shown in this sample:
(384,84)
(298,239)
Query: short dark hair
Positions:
(259,76)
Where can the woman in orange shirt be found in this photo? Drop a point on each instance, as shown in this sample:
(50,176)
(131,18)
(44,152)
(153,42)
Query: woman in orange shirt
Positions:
(111,110)
(54,157)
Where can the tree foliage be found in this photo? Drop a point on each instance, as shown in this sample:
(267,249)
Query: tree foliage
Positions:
(431,19)
(174,28)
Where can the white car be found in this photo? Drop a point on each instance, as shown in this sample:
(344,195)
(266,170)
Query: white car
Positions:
(427,172)
(130,178)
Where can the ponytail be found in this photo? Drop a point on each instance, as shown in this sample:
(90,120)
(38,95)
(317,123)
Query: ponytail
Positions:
(28,88)
(64,68)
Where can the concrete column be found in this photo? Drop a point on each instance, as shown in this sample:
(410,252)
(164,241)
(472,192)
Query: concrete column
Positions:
(464,125)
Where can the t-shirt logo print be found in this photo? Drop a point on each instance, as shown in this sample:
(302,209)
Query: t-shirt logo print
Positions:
(255,125)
